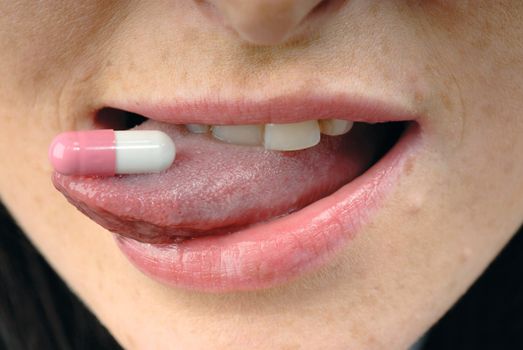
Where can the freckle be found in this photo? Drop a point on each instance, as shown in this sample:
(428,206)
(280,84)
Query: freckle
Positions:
(374,9)
(38,200)
(329,318)
(447,102)
(386,76)
(482,43)
(413,78)
(465,255)
(487,27)
(418,96)
(414,204)
(371,339)
(508,168)
(183,76)
(99,266)
(190,36)
(488,110)
(39,77)
(408,167)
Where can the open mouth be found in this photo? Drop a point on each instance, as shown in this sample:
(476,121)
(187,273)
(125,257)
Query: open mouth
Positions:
(248,203)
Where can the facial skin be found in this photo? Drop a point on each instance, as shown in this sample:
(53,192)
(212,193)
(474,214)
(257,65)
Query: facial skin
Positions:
(458,63)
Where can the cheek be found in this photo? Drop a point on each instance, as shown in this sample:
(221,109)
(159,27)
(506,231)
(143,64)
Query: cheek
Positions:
(42,44)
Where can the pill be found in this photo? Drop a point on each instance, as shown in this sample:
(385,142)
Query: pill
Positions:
(109,152)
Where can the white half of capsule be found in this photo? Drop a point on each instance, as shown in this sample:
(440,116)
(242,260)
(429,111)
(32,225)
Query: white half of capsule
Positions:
(143,151)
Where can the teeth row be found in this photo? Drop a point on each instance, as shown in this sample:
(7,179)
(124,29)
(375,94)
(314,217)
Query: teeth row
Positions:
(278,137)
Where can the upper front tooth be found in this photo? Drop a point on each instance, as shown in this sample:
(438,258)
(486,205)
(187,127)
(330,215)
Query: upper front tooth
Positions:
(197,128)
(292,136)
(335,127)
(239,134)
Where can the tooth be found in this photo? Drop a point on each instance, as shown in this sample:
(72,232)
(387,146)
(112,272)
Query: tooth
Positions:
(335,127)
(251,135)
(197,128)
(293,136)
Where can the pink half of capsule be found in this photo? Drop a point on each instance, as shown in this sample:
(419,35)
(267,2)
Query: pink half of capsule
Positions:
(110,152)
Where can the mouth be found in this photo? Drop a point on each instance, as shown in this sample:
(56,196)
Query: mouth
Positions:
(256,197)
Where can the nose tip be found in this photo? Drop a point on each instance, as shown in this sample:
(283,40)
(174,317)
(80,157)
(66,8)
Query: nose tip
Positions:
(264,22)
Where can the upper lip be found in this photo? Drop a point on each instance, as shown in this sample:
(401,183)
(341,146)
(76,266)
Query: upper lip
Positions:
(279,109)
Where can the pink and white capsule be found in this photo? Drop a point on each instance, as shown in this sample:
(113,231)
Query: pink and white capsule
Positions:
(110,152)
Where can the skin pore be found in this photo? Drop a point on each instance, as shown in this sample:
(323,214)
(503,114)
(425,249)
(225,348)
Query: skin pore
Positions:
(458,64)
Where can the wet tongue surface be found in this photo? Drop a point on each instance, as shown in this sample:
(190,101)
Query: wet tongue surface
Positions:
(214,187)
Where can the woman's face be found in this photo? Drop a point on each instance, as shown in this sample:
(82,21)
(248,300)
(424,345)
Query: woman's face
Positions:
(373,265)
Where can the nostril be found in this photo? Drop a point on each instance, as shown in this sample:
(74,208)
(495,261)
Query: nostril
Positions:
(325,6)
(320,6)
(117,119)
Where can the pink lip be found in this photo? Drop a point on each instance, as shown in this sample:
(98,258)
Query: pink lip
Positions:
(277,252)
(271,253)
(281,109)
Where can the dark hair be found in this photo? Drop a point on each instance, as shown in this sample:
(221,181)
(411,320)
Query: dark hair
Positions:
(490,314)
(37,310)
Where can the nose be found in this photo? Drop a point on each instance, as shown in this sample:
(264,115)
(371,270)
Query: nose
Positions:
(264,22)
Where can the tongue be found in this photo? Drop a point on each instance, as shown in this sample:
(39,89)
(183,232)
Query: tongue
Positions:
(216,188)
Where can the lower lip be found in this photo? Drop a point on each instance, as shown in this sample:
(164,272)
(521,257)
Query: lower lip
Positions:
(274,253)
